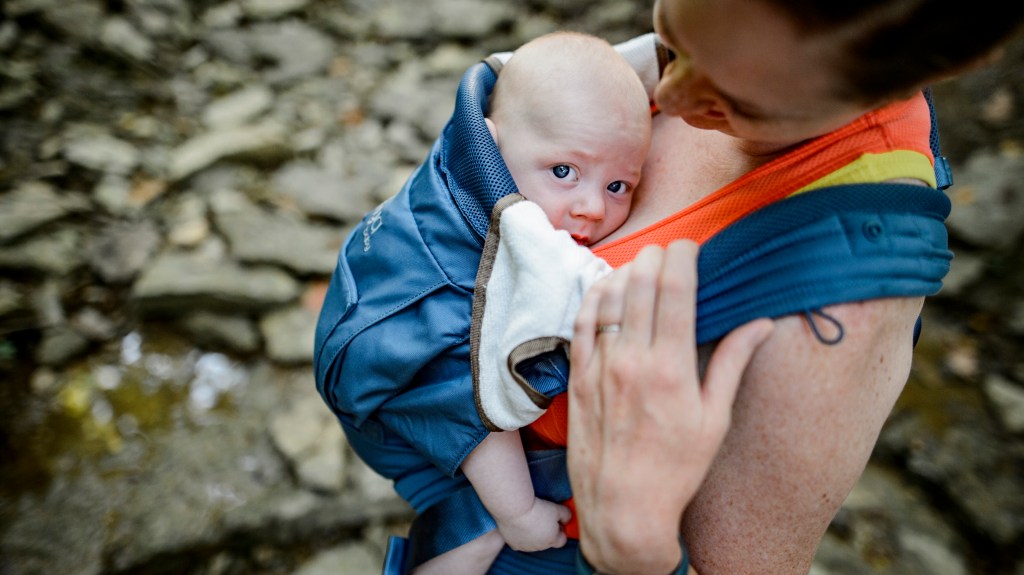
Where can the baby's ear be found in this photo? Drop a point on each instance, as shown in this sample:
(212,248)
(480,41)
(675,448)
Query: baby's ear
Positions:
(492,128)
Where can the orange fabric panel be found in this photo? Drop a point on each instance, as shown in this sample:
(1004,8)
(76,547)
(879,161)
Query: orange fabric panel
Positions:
(899,126)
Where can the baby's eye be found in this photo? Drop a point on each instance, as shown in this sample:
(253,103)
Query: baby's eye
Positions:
(563,171)
(618,187)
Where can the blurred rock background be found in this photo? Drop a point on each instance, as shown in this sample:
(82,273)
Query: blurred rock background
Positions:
(176,178)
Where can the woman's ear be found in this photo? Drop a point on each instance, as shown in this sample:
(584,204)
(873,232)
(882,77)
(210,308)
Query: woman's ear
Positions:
(492,128)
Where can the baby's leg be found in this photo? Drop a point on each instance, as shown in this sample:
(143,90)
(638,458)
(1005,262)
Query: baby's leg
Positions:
(473,558)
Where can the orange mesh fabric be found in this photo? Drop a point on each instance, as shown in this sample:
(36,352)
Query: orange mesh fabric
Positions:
(900,126)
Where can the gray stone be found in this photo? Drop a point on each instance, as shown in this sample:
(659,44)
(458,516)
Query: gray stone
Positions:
(448,18)
(31,544)
(122,250)
(1008,399)
(299,50)
(308,435)
(887,527)
(271,9)
(289,334)
(220,331)
(46,301)
(975,470)
(239,107)
(119,36)
(101,152)
(198,478)
(176,281)
(349,558)
(988,204)
(450,60)
(256,236)
(9,33)
(964,270)
(79,20)
(23,87)
(1016,320)
(265,141)
(14,8)
(59,345)
(11,299)
(114,193)
(186,221)
(431,109)
(223,15)
(56,253)
(321,192)
(296,49)
(93,325)
(164,19)
(34,204)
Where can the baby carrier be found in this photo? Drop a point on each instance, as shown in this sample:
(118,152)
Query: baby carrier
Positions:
(382,355)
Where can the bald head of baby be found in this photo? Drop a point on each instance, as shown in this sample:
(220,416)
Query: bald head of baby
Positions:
(565,78)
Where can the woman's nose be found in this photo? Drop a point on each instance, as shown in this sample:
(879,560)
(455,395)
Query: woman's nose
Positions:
(686,92)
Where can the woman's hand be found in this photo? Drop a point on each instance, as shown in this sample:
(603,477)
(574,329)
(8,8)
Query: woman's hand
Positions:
(643,431)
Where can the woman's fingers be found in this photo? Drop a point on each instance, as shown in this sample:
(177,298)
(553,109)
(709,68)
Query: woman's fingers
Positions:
(585,328)
(612,290)
(675,315)
(642,429)
(640,295)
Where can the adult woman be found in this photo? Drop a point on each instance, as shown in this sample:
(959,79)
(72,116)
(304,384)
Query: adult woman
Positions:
(760,77)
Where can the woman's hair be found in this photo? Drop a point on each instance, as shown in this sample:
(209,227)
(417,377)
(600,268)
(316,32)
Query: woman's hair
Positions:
(890,48)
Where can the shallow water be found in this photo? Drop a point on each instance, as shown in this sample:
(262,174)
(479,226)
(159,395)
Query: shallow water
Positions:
(107,405)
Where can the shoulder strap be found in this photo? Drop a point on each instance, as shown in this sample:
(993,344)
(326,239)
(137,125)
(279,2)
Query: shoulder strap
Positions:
(835,245)
(469,160)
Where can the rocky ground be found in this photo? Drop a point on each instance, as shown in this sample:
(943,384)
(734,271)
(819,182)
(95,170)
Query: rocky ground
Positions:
(176,179)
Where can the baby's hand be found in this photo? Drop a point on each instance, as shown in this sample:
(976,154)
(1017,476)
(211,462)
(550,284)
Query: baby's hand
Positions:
(538,529)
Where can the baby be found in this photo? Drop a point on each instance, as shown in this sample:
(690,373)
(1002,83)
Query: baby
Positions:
(572,121)
(420,386)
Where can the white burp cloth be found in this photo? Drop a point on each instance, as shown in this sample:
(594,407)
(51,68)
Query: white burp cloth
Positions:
(529,286)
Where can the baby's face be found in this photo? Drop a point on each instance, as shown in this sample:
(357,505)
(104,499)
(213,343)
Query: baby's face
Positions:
(581,165)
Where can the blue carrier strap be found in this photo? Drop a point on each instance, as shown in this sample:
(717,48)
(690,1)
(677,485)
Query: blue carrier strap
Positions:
(476,173)
(830,246)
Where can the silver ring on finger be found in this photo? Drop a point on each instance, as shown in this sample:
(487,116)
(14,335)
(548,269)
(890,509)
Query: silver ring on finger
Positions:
(609,328)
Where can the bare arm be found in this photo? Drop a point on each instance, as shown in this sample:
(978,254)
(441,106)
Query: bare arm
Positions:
(804,424)
(641,427)
(498,472)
